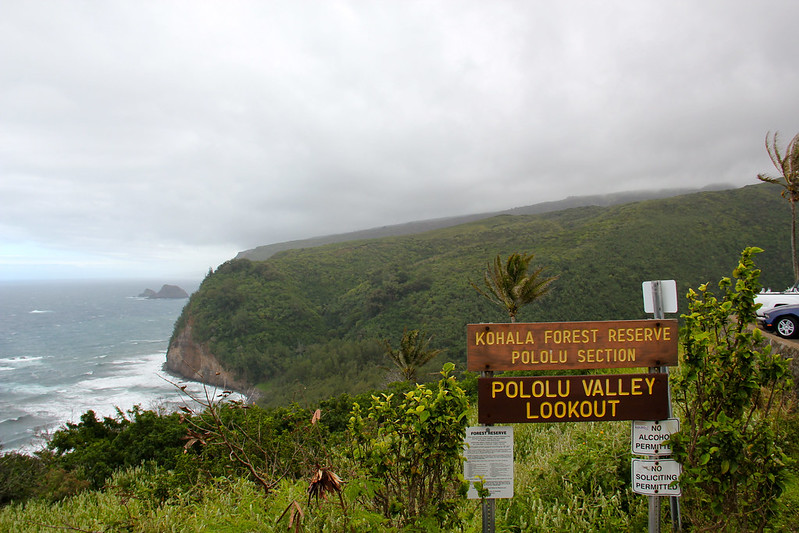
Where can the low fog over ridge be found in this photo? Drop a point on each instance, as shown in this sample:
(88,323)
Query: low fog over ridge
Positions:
(263,252)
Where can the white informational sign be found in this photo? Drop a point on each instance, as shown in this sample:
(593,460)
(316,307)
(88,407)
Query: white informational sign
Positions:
(489,455)
(656,477)
(668,296)
(648,436)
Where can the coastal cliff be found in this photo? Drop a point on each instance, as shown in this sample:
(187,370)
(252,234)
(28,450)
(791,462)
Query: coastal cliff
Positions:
(195,362)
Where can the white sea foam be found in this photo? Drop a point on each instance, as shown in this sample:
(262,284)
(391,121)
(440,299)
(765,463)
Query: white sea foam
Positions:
(21,360)
(140,381)
(105,351)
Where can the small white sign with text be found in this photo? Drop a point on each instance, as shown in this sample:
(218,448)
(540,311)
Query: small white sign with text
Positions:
(648,436)
(489,459)
(656,477)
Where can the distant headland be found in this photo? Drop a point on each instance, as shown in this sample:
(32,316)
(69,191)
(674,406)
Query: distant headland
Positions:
(167,291)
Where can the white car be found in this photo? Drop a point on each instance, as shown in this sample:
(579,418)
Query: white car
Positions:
(770,299)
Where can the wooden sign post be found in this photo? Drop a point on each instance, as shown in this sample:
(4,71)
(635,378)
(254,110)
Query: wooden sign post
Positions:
(571,346)
(572,398)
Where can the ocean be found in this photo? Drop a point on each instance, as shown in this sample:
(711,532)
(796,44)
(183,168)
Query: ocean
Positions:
(70,346)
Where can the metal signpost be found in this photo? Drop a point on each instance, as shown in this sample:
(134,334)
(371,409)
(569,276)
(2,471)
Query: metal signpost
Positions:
(489,504)
(660,297)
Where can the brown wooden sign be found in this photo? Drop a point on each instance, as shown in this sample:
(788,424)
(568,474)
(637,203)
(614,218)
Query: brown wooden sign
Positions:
(572,398)
(572,345)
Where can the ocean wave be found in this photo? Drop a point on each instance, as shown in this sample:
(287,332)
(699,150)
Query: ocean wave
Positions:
(22,419)
(134,359)
(20,360)
(151,389)
(40,311)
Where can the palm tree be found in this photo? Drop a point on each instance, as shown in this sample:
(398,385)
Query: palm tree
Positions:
(511,284)
(412,353)
(788,165)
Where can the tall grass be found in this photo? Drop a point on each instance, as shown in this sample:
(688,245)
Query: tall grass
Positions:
(568,477)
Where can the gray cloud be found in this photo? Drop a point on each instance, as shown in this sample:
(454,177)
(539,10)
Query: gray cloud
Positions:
(152,135)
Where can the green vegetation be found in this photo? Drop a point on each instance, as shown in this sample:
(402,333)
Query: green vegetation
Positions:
(570,477)
(307,324)
(94,449)
(400,457)
(411,448)
(412,353)
(733,394)
(391,461)
(397,454)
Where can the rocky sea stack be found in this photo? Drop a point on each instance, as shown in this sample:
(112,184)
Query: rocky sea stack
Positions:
(167,291)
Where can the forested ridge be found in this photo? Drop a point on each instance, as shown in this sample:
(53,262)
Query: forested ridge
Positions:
(306,324)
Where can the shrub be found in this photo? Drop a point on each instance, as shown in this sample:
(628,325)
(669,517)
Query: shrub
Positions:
(93,449)
(20,476)
(411,449)
(732,393)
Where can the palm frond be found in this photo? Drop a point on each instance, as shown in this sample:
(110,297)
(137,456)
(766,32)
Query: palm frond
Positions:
(413,352)
(511,284)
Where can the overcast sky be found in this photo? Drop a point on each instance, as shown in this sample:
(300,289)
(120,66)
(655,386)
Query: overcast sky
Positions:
(156,139)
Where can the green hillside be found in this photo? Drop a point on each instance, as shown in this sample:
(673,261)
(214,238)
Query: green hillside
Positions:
(304,324)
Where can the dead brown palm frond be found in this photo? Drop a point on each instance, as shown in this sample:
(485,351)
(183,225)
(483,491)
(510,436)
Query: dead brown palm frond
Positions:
(324,482)
(193,437)
(295,515)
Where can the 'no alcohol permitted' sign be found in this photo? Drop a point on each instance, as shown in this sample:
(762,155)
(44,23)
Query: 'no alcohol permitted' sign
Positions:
(648,436)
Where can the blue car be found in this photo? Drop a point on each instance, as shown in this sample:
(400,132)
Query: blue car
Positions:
(783,320)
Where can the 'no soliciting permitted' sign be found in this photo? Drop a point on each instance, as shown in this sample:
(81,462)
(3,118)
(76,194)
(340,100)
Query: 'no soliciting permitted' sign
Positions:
(656,477)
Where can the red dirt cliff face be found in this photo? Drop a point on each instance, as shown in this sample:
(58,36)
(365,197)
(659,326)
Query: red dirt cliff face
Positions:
(195,362)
